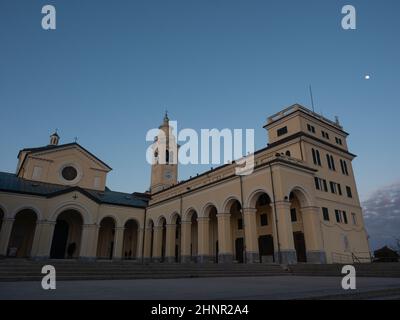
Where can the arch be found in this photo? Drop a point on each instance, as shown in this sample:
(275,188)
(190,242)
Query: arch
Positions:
(83,211)
(105,239)
(254,196)
(174,218)
(67,236)
(4,211)
(187,216)
(302,194)
(160,221)
(131,241)
(116,219)
(205,212)
(150,223)
(136,220)
(27,207)
(297,201)
(2,216)
(228,203)
(22,233)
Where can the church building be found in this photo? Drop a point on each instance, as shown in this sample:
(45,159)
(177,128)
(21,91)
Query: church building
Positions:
(299,205)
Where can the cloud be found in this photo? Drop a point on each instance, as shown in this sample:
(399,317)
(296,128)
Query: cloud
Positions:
(382,216)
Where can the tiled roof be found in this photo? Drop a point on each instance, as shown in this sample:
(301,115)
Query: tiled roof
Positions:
(9,182)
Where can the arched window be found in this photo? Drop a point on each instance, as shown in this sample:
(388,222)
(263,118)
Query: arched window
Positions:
(166,156)
(288,153)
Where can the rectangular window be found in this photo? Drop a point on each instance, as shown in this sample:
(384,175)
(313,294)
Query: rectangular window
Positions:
(338,215)
(325,135)
(317,182)
(96,182)
(293,214)
(240,224)
(325,213)
(344,217)
(37,172)
(353,216)
(325,186)
(310,128)
(333,187)
(264,219)
(338,141)
(339,189)
(348,191)
(282,131)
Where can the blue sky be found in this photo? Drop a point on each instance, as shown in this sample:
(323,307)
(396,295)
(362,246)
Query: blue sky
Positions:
(111,68)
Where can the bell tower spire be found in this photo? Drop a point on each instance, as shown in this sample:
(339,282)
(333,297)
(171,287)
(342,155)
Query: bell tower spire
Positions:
(54,139)
(164,169)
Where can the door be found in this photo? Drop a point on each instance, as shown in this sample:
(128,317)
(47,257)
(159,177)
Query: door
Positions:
(239,249)
(300,246)
(266,248)
(60,238)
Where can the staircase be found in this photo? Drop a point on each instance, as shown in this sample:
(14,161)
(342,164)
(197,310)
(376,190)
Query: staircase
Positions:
(391,270)
(26,270)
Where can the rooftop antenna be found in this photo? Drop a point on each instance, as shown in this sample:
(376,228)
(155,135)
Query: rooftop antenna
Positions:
(312,98)
(76,139)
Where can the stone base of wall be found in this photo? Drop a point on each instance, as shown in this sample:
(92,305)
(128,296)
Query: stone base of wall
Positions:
(252,257)
(225,258)
(316,257)
(287,257)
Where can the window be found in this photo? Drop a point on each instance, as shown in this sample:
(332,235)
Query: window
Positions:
(96,182)
(288,153)
(331,162)
(325,135)
(320,184)
(264,219)
(338,215)
(348,191)
(37,172)
(282,131)
(310,128)
(339,189)
(293,214)
(316,157)
(343,166)
(344,217)
(353,216)
(338,141)
(240,224)
(325,213)
(341,216)
(333,187)
(69,173)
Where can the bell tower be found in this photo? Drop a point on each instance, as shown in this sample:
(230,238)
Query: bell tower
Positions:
(164,169)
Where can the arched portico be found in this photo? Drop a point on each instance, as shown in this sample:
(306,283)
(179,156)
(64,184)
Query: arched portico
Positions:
(67,236)
(237,230)
(106,235)
(131,241)
(189,236)
(22,234)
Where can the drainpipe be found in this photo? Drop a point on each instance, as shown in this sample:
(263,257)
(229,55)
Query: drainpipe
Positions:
(244,224)
(276,217)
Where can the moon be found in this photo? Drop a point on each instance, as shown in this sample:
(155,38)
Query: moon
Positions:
(367,77)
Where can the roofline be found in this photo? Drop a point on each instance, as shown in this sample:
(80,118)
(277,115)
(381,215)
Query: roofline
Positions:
(72,189)
(305,111)
(59,147)
(270,146)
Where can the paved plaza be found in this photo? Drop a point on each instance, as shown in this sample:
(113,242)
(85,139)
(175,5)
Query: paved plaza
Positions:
(253,288)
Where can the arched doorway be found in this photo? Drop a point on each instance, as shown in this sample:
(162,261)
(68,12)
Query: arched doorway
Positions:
(265,228)
(163,224)
(130,239)
(151,230)
(67,235)
(193,236)
(213,233)
(23,231)
(237,226)
(176,220)
(298,227)
(105,242)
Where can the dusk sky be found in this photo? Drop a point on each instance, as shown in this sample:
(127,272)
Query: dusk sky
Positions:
(111,68)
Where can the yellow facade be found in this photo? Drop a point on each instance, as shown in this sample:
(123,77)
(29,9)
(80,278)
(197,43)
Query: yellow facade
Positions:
(299,205)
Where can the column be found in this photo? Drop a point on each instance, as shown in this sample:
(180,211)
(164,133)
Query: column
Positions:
(203,239)
(251,235)
(42,240)
(170,243)
(157,243)
(118,243)
(147,245)
(313,235)
(5,234)
(89,239)
(139,243)
(225,254)
(186,239)
(287,254)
